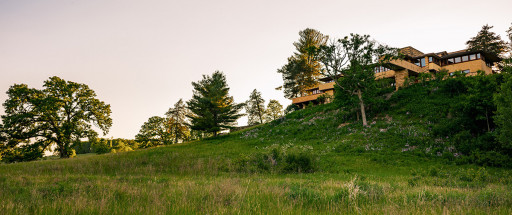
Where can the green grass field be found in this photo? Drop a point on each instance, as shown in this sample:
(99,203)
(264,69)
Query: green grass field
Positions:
(312,161)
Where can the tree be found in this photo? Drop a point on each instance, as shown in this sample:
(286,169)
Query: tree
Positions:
(303,69)
(274,110)
(487,41)
(154,132)
(503,117)
(350,62)
(177,121)
(509,34)
(62,113)
(255,108)
(212,109)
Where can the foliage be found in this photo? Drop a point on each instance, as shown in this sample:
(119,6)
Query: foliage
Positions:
(212,109)
(61,113)
(503,100)
(177,121)
(255,108)
(103,145)
(279,159)
(154,132)
(350,62)
(290,108)
(274,110)
(487,41)
(302,69)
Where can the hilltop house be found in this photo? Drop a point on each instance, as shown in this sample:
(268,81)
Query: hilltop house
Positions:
(414,63)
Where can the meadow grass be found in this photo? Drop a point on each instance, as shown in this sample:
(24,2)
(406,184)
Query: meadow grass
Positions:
(393,167)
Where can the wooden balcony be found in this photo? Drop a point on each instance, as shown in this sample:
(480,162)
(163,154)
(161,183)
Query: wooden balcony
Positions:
(305,98)
(402,64)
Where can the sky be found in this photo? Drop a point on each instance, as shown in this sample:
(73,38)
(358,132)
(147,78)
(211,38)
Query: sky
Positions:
(142,56)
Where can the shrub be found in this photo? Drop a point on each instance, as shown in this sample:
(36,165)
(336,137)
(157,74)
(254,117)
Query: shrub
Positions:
(279,159)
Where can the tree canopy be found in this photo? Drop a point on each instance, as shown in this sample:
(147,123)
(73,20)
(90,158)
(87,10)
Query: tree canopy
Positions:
(255,108)
(274,110)
(350,63)
(487,41)
(177,121)
(212,109)
(154,132)
(302,69)
(62,113)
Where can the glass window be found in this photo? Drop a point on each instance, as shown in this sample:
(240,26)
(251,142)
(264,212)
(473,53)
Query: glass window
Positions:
(472,57)
(422,62)
(465,58)
(478,56)
(430,60)
(466,71)
(457,60)
(450,61)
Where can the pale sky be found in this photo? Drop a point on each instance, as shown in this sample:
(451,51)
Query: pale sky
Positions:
(141,56)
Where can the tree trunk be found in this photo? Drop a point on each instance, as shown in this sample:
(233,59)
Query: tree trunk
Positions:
(487,118)
(361,104)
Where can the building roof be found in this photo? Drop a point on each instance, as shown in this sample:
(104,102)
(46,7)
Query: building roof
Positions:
(415,53)
(411,52)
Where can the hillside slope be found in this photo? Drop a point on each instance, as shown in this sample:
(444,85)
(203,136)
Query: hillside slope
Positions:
(317,160)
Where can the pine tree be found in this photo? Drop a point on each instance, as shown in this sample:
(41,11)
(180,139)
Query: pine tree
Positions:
(302,69)
(177,121)
(255,108)
(487,41)
(212,109)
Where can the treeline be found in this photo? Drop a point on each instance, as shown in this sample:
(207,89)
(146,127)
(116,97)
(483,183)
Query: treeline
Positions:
(61,117)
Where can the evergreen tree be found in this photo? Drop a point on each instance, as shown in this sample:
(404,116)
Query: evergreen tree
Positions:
(487,41)
(303,69)
(274,110)
(212,109)
(177,121)
(255,108)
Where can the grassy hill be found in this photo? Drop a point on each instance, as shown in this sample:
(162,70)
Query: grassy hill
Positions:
(317,160)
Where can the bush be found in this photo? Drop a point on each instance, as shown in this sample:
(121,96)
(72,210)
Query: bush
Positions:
(279,159)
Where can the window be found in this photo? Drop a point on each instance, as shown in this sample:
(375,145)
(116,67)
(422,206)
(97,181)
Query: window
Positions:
(466,71)
(430,60)
(465,58)
(450,61)
(457,60)
(422,62)
(316,91)
(472,57)
(478,56)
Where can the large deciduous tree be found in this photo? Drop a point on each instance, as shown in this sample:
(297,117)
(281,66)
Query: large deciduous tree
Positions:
(302,69)
(62,113)
(255,108)
(487,41)
(212,109)
(177,121)
(350,62)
